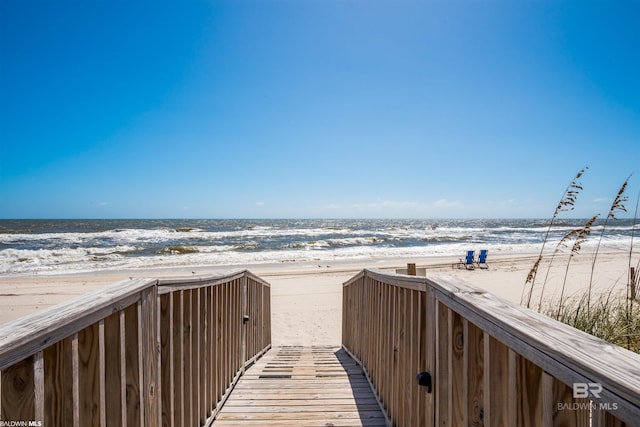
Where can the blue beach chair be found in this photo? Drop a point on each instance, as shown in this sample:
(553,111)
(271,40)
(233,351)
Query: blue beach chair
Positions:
(482,258)
(467,262)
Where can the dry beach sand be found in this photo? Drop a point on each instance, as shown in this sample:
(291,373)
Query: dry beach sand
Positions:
(307,298)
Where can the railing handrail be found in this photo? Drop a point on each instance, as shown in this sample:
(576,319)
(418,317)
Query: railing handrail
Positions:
(568,354)
(27,335)
(563,351)
(152,350)
(196,281)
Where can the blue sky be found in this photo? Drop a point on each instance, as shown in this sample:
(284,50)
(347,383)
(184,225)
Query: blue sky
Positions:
(260,109)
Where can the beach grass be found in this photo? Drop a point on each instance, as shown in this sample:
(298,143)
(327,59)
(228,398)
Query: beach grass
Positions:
(613,317)
(608,316)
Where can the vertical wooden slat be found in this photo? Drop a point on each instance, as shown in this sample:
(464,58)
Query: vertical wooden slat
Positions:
(602,418)
(496,402)
(224,324)
(382,327)
(219,342)
(412,388)
(178,358)
(141,386)
(457,401)
(565,409)
(18,391)
(402,359)
(167,363)
(546,397)
(202,354)
(237,323)
(157,348)
(132,367)
(379,334)
(38,386)
(123,368)
(149,349)
(88,376)
(374,328)
(244,311)
(102,373)
(248,327)
(513,388)
(475,377)
(442,376)
(195,358)
(267,302)
(529,393)
(466,420)
(345,314)
(75,378)
(430,322)
(210,400)
(58,384)
(425,413)
(112,370)
(187,359)
(395,385)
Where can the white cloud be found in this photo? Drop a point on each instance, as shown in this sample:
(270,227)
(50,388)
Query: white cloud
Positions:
(508,202)
(390,205)
(444,203)
(259,203)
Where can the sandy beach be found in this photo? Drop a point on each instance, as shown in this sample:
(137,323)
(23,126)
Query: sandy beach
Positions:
(307,297)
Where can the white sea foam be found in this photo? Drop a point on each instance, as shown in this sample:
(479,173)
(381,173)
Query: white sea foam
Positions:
(221,242)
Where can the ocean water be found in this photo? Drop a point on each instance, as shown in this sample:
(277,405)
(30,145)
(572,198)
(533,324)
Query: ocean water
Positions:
(63,246)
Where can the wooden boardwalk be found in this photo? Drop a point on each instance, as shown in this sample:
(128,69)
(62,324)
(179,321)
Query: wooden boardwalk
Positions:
(302,386)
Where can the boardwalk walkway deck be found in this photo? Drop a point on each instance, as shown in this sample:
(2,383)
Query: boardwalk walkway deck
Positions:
(302,386)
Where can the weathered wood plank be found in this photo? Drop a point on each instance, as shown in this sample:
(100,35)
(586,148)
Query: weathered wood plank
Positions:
(316,398)
(320,415)
(269,400)
(303,423)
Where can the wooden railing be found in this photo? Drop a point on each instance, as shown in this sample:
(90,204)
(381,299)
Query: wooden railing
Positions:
(144,352)
(490,362)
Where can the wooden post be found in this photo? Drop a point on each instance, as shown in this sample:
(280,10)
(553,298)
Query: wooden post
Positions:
(411,269)
(633,291)
(244,312)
